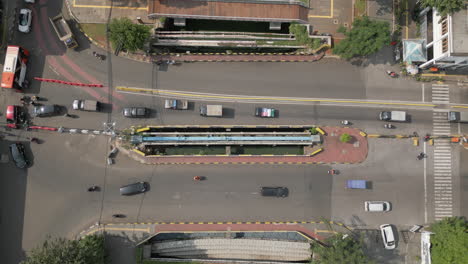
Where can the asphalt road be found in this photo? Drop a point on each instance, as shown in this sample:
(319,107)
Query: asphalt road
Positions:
(50,198)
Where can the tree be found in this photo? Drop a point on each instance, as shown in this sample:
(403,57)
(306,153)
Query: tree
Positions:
(131,36)
(345,138)
(63,251)
(340,250)
(444,7)
(364,38)
(449,241)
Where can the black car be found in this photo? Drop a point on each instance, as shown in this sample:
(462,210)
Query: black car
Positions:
(135,112)
(134,188)
(45,110)
(17,152)
(274,191)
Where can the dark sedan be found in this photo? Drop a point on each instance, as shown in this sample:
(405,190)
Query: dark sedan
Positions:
(45,110)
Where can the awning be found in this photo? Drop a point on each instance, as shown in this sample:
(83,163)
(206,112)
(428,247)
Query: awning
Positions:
(414,50)
(10,113)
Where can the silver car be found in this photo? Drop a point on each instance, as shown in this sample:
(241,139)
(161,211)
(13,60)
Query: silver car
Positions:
(24,20)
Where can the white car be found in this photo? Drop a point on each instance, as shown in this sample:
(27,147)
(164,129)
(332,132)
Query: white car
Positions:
(387,236)
(24,20)
(377,206)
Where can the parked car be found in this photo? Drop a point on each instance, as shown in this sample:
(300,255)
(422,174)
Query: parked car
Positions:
(387,236)
(24,20)
(377,206)
(274,191)
(45,110)
(135,112)
(265,112)
(18,155)
(134,188)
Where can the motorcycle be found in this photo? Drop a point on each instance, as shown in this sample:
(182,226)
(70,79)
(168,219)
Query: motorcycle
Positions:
(97,55)
(345,122)
(118,216)
(333,172)
(422,155)
(93,188)
(34,140)
(198,178)
(389,126)
(392,74)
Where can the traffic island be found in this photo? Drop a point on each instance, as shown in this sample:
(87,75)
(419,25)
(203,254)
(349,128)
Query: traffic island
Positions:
(244,145)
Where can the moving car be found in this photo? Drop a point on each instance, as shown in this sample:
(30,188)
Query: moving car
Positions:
(18,155)
(395,116)
(387,236)
(135,112)
(24,20)
(265,112)
(45,110)
(134,188)
(377,206)
(274,191)
(176,104)
(86,105)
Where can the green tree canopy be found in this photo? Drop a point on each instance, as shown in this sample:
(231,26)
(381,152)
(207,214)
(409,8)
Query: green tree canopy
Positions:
(365,37)
(340,250)
(131,36)
(445,7)
(450,241)
(62,251)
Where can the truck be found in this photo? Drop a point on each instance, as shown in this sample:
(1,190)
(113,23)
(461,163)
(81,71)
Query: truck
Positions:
(211,110)
(356,184)
(459,117)
(63,31)
(176,104)
(396,116)
(86,105)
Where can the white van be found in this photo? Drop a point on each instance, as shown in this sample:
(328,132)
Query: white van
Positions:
(387,236)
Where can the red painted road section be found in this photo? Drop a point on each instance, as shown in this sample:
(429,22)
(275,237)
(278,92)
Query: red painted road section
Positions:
(67,83)
(46,31)
(236,227)
(334,152)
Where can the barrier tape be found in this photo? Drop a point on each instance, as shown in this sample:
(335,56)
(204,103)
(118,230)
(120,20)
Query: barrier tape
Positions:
(67,83)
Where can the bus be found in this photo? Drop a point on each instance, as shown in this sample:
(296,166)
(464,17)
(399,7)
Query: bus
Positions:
(14,68)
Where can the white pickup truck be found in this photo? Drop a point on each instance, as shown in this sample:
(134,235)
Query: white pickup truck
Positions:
(211,110)
(396,116)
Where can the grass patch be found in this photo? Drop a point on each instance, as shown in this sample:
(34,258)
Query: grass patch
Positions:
(95,31)
(267,150)
(360,7)
(190,150)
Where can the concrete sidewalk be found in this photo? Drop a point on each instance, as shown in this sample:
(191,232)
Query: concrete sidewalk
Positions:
(101,11)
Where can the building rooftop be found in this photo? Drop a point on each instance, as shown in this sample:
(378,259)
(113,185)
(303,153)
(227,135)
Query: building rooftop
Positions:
(460,31)
(241,10)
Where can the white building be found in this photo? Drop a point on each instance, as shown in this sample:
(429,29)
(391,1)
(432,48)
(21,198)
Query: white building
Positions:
(446,39)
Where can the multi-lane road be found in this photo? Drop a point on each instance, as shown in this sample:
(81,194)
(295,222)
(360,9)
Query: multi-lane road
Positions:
(50,197)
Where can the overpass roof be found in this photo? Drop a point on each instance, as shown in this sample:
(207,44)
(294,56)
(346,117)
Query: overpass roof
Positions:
(240,10)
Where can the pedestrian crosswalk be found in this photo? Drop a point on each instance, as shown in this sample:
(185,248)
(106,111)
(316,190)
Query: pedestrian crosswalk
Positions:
(442,166)
(440,93)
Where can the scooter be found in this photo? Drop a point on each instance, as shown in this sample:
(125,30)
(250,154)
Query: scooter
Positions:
(333,172)
(198,178)
(389,126)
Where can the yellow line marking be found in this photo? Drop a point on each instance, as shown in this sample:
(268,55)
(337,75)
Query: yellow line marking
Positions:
(113,7)
(331,12)
(266,98)
(325,231)
(459,106)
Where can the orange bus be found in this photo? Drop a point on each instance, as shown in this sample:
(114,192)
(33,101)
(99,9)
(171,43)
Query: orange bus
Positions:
(14,68)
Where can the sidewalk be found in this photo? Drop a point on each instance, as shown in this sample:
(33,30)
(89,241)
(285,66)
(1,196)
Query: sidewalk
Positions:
(334,151)
(101,11)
